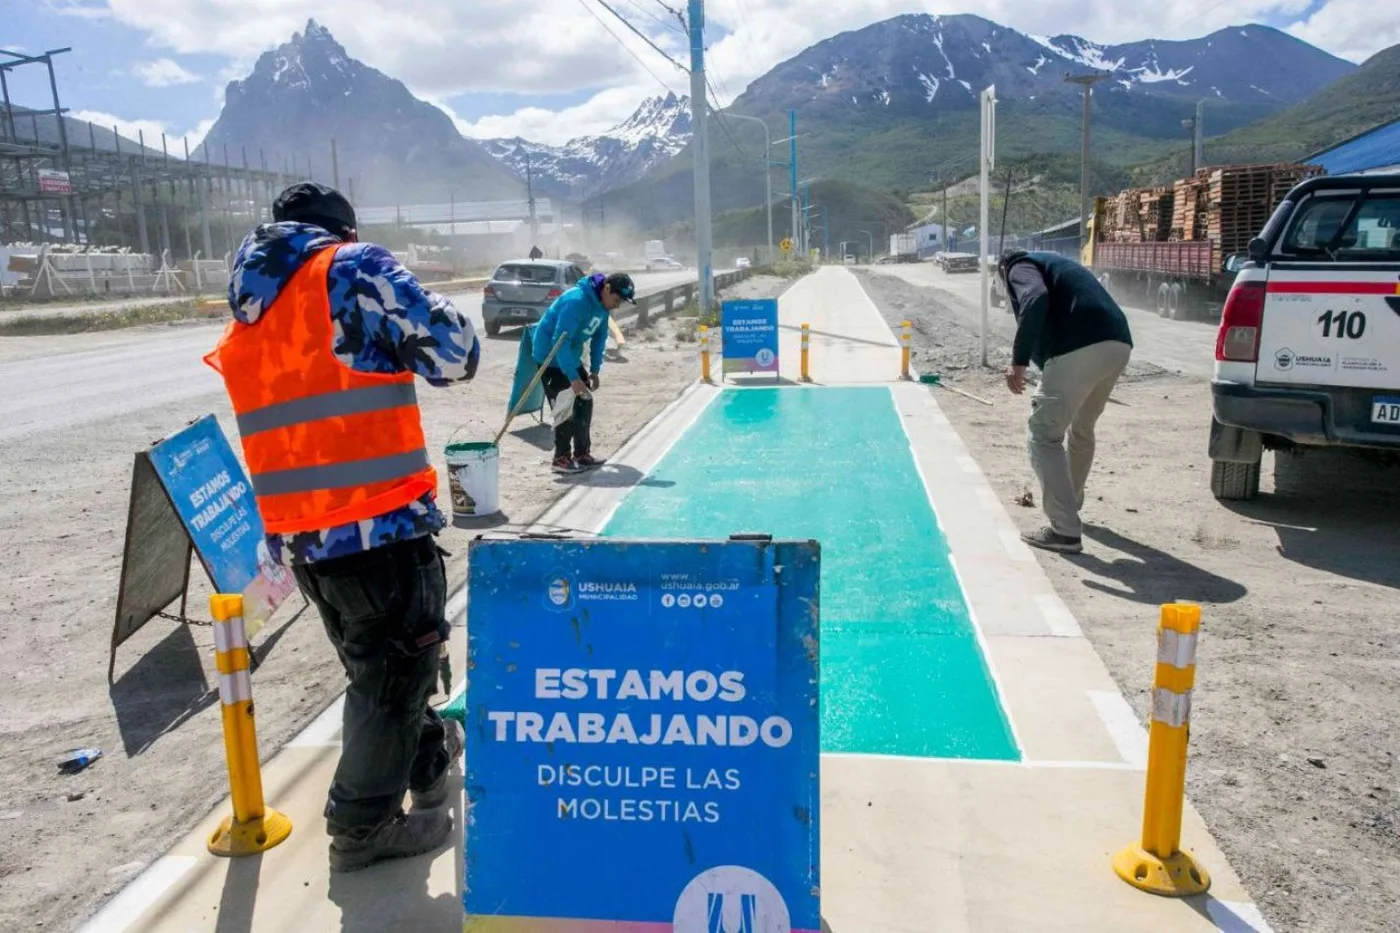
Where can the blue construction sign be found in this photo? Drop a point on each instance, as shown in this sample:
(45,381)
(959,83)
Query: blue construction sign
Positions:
(642,737)
(750,336)
(214,499)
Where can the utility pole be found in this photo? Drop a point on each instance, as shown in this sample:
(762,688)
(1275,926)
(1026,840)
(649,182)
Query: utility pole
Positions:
(530,196)
(792,173)
(1200,147)
(700,146)
(988,160)
(1087,82)
(335,165)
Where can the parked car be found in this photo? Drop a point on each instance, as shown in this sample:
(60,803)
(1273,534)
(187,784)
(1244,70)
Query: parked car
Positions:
(663,264)
(742,262)
(848,260)
(1308,351)
(521,290)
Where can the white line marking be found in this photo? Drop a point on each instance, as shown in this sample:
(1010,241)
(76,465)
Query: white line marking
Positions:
(1061,621)
(1034,764)
(1122,725)
(1016,549)
(324,730)
(986,654)
(140,896)
(1236,917)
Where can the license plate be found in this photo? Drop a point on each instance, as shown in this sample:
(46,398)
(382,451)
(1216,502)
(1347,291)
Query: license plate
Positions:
(1385,410)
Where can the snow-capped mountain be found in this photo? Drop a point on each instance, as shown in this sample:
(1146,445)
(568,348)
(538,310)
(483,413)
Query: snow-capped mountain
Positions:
(592,164)
(921,62)
(391,146)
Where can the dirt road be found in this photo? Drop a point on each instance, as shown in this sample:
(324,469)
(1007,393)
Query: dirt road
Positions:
(1296,716)
(86,405)
(1184,347)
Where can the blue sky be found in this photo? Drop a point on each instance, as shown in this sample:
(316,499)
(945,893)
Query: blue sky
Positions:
(545,69)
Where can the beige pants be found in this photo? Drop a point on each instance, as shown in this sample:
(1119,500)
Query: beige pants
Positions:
(1073,392)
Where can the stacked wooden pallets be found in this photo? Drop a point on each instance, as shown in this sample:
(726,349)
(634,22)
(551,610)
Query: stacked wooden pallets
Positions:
(1240,198)
(1138,215)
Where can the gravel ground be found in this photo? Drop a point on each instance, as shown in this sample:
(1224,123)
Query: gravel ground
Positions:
(1296,714)
(69,842)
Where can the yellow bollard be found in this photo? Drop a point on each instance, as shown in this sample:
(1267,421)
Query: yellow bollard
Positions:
(253,827)
(905,339)
(806,348)
(1159,865)
(705,353)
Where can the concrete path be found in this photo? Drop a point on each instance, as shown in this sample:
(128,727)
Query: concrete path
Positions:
(908,844)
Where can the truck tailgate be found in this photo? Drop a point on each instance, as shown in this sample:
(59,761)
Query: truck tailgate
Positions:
(1332,326)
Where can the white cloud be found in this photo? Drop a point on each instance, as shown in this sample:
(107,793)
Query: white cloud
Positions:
(1350,29)
(599,113)
(152,129)
(441,50)
(163,72)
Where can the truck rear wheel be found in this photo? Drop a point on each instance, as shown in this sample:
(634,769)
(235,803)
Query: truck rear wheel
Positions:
(1174,303)
(1234,482)
(1163,297)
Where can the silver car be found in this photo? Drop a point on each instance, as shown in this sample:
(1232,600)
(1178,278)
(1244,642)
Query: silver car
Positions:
(520,291)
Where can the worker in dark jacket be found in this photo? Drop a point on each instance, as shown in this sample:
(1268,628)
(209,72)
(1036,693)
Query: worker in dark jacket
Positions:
(1074,332)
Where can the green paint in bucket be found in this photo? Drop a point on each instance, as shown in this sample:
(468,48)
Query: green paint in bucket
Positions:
(473,475)
(931,379)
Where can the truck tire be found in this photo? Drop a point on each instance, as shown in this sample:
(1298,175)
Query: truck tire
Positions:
(1163,297)
(1234,482)
(1175,309)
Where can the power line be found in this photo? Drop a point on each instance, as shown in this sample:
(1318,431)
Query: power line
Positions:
(643,36)
(663,23)
(625,46)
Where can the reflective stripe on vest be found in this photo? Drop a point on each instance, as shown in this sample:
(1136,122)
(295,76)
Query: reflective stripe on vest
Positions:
(327,405)
(340,475)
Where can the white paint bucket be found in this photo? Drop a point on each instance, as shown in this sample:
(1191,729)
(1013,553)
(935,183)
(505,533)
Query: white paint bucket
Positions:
(473,475)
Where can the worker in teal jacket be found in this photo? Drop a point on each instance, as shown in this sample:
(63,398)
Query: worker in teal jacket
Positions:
(581,314)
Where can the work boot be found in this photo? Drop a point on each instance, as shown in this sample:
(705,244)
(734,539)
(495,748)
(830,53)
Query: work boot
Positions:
(403,835)
(588,461)
(1047,539)
(566,466)
(454,739)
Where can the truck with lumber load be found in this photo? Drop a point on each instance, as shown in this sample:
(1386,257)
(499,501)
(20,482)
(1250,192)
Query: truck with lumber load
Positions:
(904,247)
(1308,351)
(1177,248)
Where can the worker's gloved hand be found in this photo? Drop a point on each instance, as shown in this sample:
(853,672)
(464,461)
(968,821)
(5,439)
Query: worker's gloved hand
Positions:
(593,382)
(580,390)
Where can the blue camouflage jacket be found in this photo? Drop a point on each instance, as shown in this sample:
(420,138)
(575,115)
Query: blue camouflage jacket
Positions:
(385,322)
(579,312)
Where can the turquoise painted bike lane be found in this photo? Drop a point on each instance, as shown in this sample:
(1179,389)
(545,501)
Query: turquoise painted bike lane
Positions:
(902,670)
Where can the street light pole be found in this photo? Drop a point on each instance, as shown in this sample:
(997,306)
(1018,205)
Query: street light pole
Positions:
(1087,82)
(767,175)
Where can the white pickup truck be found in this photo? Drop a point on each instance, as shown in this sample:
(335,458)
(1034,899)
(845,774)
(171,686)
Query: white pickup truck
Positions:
(1308,353)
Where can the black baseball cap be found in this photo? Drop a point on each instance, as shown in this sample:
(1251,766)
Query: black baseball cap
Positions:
(311,203)
(622,286)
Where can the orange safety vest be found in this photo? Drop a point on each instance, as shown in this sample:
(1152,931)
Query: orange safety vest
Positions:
(326,445)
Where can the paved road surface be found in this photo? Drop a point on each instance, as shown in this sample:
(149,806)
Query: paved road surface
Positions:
(53,383)
(1186,347)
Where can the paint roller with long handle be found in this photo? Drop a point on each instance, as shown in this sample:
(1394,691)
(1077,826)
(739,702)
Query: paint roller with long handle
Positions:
(539,374)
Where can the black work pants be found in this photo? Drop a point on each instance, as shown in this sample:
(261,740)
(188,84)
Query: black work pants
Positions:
(574,432)
(385,612)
